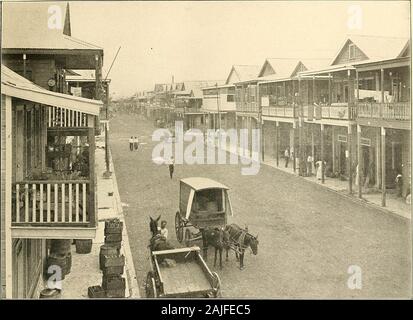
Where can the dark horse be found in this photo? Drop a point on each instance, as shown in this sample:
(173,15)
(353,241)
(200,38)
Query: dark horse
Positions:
(157,243)
(239,240)
(216,237)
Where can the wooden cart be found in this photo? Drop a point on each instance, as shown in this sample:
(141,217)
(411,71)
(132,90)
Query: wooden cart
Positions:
(202,203)
(181,273)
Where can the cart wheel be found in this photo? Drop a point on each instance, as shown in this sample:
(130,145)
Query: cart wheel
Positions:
(179,227)
(150,286)
(188,237)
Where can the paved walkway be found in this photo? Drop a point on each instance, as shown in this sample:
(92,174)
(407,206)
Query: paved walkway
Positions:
(394,205)
(85,270)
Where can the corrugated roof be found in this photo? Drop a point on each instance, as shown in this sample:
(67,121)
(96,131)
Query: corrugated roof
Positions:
(25,26)
(17,86)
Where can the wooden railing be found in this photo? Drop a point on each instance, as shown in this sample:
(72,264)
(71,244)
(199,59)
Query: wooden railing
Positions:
(337,112)
(246,107)
(288,111)
(61,117)
(386,111)
(60,202)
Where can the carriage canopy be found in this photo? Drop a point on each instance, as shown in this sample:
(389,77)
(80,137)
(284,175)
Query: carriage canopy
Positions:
(201,197)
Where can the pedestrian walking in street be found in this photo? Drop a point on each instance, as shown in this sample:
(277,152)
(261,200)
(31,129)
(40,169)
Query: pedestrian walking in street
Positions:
(171,167)
(131,143)
(136,143)
(287,156)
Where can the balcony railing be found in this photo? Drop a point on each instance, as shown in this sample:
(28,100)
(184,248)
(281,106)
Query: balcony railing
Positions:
(342,111)
(385,111)
(61,117)
(280,111)
(53,203)
(246,107)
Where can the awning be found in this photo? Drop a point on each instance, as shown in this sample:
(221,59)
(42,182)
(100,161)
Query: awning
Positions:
(17,86)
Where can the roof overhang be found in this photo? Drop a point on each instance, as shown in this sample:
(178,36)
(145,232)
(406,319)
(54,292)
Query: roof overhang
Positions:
(386,64)
(53,99)
(75,58)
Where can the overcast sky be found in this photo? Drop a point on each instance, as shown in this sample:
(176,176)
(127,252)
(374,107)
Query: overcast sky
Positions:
(202,40)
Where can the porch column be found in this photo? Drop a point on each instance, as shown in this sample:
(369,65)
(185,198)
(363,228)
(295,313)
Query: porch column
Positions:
(333,144)
(294,146)
(92,200)
(300,141)
(383,166)
(359,161)
(312,148)
(382,85)
(98,71)
(322,153)
(350,157)
(329,89)
(8,259)
(378,160)
(276,143)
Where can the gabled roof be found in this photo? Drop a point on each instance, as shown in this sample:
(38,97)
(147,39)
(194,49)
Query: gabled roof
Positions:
(17,86)
(375,47)
(25,26)
(243,72)
(194,88)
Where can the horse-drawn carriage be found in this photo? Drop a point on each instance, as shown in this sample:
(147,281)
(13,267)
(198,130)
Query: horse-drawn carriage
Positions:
(179,273)
(203,203)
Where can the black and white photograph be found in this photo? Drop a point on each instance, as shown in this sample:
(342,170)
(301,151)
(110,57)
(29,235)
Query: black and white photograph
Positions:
(206,150)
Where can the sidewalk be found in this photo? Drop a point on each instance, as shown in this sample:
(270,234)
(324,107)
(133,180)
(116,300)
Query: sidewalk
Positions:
(85,270)
(393,204)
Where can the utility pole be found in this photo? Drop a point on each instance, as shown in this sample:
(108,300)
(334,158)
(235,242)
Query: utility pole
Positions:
(107,173)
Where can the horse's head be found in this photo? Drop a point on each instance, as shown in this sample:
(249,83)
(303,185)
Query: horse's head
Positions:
(254,244)
(153,225)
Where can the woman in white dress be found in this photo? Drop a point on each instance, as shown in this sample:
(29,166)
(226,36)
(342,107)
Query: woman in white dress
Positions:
(318,173)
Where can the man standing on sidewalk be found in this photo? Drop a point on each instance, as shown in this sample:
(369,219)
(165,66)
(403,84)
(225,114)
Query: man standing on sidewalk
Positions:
(286,156)
(171,167)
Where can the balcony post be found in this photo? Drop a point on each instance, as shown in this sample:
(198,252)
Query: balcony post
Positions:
(276,142)
(382,87)
(383,166)
(294,147)
(350,157)
(92,176)
(7,120)
(322,153)
(329,89)
(359,161)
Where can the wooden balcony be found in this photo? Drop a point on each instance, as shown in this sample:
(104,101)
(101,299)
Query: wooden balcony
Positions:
(247,107)
(60,209)
(384,111)
(286,111)
(342,111)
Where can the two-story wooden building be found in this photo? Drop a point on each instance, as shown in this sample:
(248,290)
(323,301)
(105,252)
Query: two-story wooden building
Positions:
(48,178)
(49,143)
(329,105)
(219,99)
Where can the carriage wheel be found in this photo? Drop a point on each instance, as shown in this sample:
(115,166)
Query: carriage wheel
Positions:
(150,286)
(188,237)
(179,227)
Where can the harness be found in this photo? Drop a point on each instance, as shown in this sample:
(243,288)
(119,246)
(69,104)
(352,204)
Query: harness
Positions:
(237,241)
